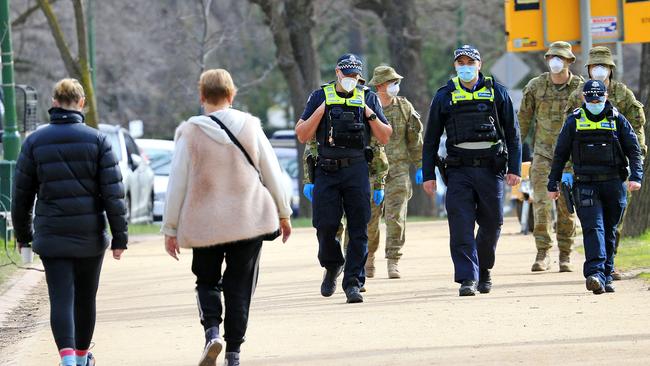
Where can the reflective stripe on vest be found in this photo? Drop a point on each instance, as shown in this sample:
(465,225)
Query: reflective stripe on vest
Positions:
(356,100)
(585,124)
(461,95)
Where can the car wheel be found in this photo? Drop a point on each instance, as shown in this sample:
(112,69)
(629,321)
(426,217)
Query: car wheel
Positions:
(127,203)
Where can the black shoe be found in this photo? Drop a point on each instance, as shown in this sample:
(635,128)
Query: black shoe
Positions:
(232,359)
(484,281)
(353,294)
(609,286)
(213,346)
(328,286)
(594,285)
(467,288)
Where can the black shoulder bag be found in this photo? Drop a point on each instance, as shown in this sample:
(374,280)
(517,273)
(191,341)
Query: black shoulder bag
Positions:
(266,237)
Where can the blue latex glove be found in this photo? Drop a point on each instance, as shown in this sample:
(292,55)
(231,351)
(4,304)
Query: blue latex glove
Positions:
(567,178)
(419,178)
(378,196)
(308,191)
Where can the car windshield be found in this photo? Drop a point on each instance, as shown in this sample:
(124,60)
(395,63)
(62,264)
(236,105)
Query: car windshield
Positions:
(159,160)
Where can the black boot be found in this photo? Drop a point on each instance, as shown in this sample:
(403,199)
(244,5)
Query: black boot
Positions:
(353,294)
(484,281)
(328,286)
(467,288)
(232,359)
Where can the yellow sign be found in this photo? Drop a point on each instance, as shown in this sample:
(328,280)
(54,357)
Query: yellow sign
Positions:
(531,25)
(636,15)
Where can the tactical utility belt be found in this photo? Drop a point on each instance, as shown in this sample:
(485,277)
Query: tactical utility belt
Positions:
(455,161)
(333,165)
(587,178)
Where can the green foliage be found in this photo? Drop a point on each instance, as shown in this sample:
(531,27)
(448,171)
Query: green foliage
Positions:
(6,268)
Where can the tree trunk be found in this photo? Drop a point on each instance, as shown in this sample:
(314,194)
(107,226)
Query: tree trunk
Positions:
(637,217)
(405,48)
(79,68)
(291,23)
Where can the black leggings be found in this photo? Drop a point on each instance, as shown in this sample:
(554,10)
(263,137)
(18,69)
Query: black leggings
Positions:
(237,283)
(72,285)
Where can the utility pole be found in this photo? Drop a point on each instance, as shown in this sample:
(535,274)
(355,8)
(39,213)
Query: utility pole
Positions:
(585,29)
(10,136)
(90,23)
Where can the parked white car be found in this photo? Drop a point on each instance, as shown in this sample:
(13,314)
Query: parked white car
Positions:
(160,154)
(137,175)
(288,158)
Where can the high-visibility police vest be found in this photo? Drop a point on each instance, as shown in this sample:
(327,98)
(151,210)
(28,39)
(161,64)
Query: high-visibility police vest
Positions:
(472,114)
(345,119)
(595,142)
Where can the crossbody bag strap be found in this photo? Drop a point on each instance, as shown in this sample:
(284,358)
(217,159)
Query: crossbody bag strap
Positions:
(236,142)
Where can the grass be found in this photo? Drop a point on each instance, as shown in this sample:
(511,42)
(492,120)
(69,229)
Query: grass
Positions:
(144,229)
(6,268)
(633,254)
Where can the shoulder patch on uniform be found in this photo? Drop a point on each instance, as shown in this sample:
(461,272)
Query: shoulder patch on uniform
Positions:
(614,112)
(576,112)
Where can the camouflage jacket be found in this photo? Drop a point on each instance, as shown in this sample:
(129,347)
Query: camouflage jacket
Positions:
(378,166)
(405,144)
(544,104)
(623,99)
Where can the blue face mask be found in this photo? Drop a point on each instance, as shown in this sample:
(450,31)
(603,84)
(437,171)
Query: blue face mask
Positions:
(466,73)
(595,108)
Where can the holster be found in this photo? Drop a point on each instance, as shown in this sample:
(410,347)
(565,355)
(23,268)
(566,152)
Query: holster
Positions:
(311,166)
(568,197)
(442,168)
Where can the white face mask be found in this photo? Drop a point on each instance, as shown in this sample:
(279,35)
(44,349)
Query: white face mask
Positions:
(600,73)
(392,89)
(348,84)
(556,65)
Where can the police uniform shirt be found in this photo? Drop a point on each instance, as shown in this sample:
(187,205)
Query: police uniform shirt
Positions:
(624,133)
(317,98)
(439,115)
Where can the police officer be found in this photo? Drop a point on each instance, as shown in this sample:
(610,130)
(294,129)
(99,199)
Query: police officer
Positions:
(601,66)
(544,104)
(602,144)
(483,148)
(343,116)
(403,150)
(378,171)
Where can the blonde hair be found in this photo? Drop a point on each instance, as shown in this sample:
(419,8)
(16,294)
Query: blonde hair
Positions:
(68,92)
(216,85)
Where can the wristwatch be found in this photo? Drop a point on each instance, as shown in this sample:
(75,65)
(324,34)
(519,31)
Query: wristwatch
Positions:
(372,117)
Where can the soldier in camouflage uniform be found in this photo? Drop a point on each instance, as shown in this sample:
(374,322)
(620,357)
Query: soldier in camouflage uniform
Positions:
(543,104)
(403,150)
(600,65)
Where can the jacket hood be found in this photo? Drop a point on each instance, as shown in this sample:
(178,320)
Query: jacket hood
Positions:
(233,119)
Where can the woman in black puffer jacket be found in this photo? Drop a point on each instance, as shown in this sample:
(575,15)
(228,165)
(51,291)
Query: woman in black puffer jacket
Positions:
(74,173)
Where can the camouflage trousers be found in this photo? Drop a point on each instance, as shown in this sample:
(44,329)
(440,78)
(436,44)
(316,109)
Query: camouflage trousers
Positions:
(397,194)
(375,215)
(543,210)
(397,191)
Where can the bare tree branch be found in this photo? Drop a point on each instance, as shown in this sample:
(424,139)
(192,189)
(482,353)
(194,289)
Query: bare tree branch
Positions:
(69,62)
(244,88)
(22,18)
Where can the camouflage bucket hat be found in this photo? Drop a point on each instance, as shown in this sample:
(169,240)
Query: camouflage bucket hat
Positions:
(382,74)
(562,49)
(600,55)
